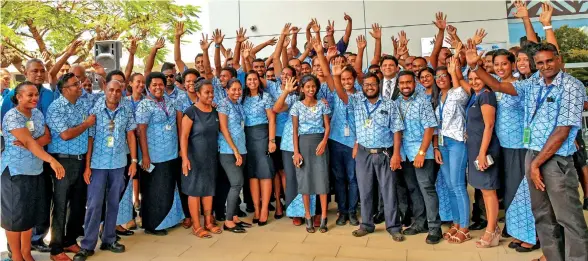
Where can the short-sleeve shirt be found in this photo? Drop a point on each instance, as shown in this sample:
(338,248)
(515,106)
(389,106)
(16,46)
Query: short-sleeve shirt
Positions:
(275,90)
(236,124)
(162,130)
(562,106)
(342,119)
(110,147)
(451,113)
(287,143)
(310,119)
(510,116)
(63,115)
(175,94)
(21,161)
(417,115)
(183,102)
(376,125)
(255,108)
(46,97)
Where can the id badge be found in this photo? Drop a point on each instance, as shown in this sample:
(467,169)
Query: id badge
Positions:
(168,127)
(346,131)
(368,123)
(242,124)
(110,141)
(30,125)
(527,136)
(440,139)
(498,96)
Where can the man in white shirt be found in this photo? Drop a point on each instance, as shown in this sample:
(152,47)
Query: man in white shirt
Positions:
(389,68)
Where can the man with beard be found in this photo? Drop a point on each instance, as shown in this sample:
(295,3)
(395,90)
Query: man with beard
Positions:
(259,67)
(378,127)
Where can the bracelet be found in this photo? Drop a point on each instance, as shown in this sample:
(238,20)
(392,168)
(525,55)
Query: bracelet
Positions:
(475,68)
(273,140)
(547,27)
(435,148)
(134,160)
(216,45)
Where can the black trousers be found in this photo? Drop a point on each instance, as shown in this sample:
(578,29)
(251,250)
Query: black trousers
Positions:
(222,191)
(42,227)
(69,191)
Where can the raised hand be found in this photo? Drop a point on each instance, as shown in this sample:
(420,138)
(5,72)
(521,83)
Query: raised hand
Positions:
(403,40)
(246,47)
(458,47)
(272,41)
(440,21)
(472,56)
(346,17)
(99,69)
(331,28)
(545,16)
(229,53)
(403,50)
(290,85)
(522,11)
(394,42)
(316,27)
(241,35)
(294,30)
(331,52)
(451,67)
(286,42)
(376,32)
(160,43)
(286,29)
(204,42)
(133,47)
(74,47)
(338,65)
(180,29)
(361,42)
(479,36)
(451,30)
(218,36)
(451,41)
(317,45)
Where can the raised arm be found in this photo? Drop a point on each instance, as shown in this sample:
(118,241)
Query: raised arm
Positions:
(523,13)
(177,41)
(257,48)
(376,33)
(306,52)
(361,44)
(280,105)
(338,66)
(348,29)
(204,46)
(73,49)
(160,43)
(441,23)
(472,59)
(217,37)
(284,54)
(238,41)
(294,43)
(131,61)
(247,49)
(318,47)
(278,52)
(545,19)
(331,33)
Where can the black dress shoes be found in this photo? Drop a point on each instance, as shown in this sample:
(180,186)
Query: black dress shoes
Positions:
(113,247)
(40,246)
(125,233)
(83,255)
(161,232)
(479,225)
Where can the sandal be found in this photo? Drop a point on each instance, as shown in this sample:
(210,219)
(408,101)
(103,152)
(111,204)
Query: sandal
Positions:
(494,240)
(323,227)
(309,225)
(187,223)
(214,229)
(360,232)
(201,232)
(451,232)
(456,240)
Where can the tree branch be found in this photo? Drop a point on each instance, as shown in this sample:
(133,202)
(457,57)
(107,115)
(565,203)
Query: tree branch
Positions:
(18,49)
(38,38)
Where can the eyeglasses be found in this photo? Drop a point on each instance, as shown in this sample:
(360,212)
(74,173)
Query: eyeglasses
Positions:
(443,75)
(76,84)
(428,76)
(370,85)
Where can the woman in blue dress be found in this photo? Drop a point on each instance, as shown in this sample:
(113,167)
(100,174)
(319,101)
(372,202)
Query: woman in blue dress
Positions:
(158,136)
(22,184)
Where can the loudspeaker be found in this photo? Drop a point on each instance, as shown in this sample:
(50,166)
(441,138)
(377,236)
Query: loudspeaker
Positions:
(107,54)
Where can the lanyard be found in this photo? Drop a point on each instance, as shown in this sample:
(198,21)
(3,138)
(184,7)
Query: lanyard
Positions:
(540,100)
(163,107)
(405,108)
(134,104)
(111,118)
(238,109)
(471,102)
(441,105)
(369,113)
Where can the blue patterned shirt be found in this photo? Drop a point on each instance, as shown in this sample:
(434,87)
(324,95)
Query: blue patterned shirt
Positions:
(21,161)
(110,147)
(310,119)
(417,114)
(255,107)
(177,92)
(287,141)
(162,131)
(561,107)
(236,121)
(510,116)
(275,90)
(376,131)
(46,97)
(342,118)
(61,116)
(183,102)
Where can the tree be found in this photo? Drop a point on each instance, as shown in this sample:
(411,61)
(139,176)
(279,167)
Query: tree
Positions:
(570,39)
(55,24)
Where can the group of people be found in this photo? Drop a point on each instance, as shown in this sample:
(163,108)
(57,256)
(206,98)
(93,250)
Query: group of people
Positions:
(397,140)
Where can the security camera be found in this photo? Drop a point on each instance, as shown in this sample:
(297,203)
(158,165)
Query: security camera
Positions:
(253,28)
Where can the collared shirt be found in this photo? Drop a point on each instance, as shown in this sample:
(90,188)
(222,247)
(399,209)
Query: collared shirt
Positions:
(63,115)
(19,160)
(287,143)
(275,90)
(323,91)
(341,121)
(388,86)
(452,122)
(236,125)
(562,106)
(417,114)
(510,116)
(255,107)
(45,99)
(162,130)
(310,119)
(220,93)
(376,130)
(177,92)
(113,155)
(134,104)
(183,102)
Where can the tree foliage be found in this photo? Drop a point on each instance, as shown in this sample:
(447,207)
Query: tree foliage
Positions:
(571,40)
(55,24)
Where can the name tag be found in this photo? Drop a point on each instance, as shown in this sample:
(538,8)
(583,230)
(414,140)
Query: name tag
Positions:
(242,124)
(368,123)
(346,131)
(527,136)
(168,127)
(498,96)
(30,125)
(110,141)
(440,139)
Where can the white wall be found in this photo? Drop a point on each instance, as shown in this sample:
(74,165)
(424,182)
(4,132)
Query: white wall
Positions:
(414,17)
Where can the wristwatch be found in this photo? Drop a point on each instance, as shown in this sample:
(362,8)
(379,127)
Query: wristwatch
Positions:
(475,68)
(134,161)
(216,45)
(421,153)
(273,140)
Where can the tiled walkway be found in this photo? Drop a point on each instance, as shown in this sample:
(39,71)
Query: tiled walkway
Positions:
(281,241)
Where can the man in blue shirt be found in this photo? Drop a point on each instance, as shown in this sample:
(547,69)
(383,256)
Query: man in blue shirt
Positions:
(171,90)
(104,168)
(36,73)
(418,162)
(553,105)
(68,121)
(378,128)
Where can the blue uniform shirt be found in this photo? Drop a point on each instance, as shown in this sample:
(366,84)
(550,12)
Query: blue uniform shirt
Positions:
(310,119)
(562,106)
(45,99)
(177,92)
(21,161)
(287,143)
(510,116)
(61,116)
(236,121)
(417,115)
(341,119)
(376,130)
(110,146)
(275,90)
(183,102)
(162,131)
(255,107)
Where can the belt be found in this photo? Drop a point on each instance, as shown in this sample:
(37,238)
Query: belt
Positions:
(386,151)
(69,156)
